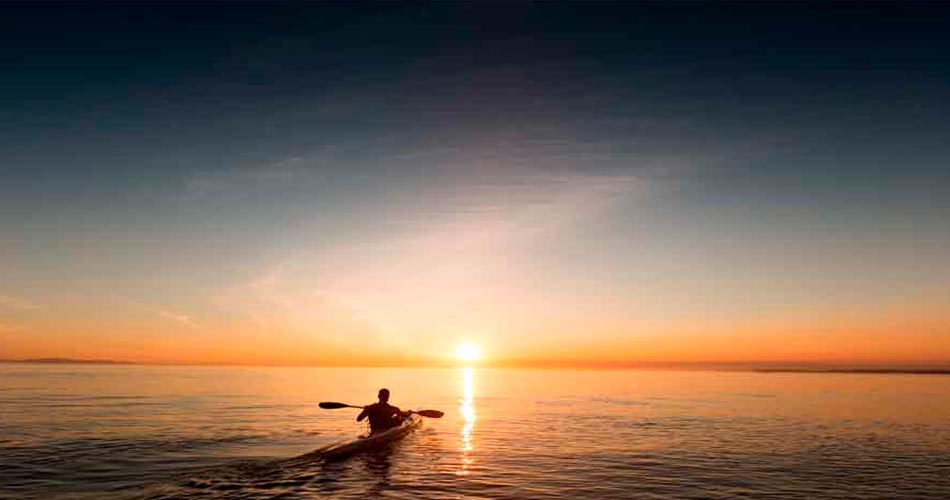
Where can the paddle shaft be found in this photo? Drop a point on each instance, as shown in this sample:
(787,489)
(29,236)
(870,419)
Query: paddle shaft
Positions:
(330,405)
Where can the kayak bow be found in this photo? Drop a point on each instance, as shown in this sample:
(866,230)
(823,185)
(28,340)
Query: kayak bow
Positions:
(372,441)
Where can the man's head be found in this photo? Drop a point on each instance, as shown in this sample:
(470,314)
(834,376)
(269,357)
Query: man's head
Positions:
(383,395)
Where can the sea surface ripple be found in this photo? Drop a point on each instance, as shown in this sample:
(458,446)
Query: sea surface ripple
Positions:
(166,432)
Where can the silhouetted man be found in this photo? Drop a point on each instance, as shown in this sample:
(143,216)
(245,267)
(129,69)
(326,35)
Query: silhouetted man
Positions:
(382,415)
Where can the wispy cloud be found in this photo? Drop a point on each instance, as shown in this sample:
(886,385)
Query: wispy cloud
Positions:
(5,328)
(455,240)
(290,297)
(18,303)
(157,310)
(527,199)
(181,319)
(224,181)
(454,245)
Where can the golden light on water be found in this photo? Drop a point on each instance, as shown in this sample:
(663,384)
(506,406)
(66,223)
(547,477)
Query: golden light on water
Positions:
(468,352)
(467,410)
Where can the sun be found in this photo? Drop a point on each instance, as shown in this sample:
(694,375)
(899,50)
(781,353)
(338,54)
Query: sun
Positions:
(468,352)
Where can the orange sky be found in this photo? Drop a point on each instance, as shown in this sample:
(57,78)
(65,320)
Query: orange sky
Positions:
(897,334)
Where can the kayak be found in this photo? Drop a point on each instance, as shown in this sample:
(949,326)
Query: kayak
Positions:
(368,442)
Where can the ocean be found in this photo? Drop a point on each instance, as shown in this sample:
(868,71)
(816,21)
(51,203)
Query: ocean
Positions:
(70,431)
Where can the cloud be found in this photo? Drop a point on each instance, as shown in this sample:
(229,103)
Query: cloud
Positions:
(180,319)
(289,297)
(277,175)
(4,328)
(18,303)
(485,209)
(454,241)
(458,243)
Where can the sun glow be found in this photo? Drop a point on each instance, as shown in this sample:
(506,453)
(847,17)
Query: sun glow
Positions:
(468,352)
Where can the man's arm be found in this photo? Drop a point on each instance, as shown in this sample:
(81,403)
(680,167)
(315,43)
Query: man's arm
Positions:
(362,415)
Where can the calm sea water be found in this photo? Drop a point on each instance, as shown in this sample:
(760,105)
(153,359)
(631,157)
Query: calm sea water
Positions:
(75,431)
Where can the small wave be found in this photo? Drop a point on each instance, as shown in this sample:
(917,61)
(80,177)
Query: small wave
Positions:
(620,402)
(261,478)
(66,451)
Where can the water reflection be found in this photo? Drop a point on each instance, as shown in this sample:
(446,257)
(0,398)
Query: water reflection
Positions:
(379,466)
(467,409)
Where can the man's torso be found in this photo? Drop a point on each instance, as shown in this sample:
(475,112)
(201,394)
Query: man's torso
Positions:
(382,416)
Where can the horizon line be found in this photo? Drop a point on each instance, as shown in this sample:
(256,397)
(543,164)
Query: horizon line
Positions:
(723,366)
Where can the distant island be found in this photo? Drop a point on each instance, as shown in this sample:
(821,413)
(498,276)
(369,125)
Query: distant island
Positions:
(913,371)
(70,361)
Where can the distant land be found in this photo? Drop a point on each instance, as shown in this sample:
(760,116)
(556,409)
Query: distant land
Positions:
(70,361)
(915,371)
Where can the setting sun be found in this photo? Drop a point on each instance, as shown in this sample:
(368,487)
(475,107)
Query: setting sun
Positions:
(468,352)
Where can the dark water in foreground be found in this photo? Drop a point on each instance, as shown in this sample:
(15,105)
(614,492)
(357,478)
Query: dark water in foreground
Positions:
(73,431)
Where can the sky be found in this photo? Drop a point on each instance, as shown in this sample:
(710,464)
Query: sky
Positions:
(600,185)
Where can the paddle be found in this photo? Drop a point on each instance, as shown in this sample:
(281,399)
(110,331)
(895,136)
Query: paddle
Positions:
(330,405)
(429,413)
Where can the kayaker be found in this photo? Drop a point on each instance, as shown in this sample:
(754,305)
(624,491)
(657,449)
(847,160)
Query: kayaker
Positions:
(382,415)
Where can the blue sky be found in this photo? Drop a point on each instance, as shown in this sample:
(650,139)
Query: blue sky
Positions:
(625,179)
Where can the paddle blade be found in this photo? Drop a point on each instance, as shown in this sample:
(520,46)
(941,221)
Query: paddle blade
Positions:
(330,405)
(431,413)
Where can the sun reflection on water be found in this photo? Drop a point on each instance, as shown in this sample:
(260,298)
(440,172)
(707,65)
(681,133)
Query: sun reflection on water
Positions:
(467,409)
